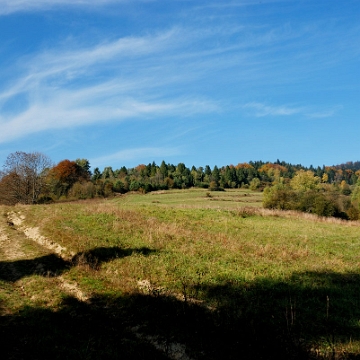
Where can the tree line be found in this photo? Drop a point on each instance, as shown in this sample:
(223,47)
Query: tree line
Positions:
(31,178)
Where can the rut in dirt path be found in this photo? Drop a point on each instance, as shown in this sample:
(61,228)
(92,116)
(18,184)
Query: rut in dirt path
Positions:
(10,250)
(13,253)
(62,259)
(33,233)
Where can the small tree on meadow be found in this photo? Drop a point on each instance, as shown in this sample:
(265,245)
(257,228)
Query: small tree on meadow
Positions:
(254,184)
(304,180)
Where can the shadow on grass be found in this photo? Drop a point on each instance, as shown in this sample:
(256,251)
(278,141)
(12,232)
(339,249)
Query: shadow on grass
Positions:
(264,319)
(53,265)
(95,257)
(307,311)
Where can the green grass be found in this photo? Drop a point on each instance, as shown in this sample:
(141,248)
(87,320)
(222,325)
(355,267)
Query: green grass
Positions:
(200,198)
(260,286)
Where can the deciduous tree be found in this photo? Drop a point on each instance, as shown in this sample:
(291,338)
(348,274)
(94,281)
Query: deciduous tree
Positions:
(67,171)
(304,180)
(23,177)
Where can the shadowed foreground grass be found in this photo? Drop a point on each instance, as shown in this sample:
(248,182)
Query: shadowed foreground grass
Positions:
(263,320)
(226,283)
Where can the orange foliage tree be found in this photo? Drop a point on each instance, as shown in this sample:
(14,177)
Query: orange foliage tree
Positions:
(270,166)
(65,174)
(244,166)
(67,171)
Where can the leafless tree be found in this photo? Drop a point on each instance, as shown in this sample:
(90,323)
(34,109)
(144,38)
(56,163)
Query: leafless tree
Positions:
(23,177)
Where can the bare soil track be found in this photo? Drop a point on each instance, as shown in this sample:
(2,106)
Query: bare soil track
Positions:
(25,252)
(13,245)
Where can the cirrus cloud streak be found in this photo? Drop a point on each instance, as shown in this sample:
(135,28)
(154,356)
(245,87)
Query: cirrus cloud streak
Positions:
(13,6)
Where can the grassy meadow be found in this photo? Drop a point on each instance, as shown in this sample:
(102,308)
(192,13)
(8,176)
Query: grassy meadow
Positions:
(186,274)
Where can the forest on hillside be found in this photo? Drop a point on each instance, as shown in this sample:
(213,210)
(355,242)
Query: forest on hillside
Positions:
(32,178)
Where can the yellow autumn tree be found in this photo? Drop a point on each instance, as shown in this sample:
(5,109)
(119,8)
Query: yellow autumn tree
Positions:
(304,180)
(325,178)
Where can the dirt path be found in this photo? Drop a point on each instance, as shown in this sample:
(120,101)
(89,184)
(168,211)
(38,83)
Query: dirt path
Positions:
(15,239)
(33,233)
(11,249)
(19,242)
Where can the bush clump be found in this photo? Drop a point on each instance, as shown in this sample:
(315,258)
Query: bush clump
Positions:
(310,201)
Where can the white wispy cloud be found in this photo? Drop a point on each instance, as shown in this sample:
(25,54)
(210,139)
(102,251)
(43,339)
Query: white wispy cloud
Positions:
(324,113)
(64,112)
(65,89)
(11,6)
(261,110)
(65,66)
(142,77)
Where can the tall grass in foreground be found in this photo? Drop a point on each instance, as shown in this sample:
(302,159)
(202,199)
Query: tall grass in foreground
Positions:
(226,282)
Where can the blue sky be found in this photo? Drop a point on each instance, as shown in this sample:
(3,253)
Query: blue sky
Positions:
(201,82)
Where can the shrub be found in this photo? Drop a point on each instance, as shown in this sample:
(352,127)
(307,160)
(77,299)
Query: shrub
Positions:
(355,196)
(134,185)
(119,187)
(311,201)
(317,203)
(148,187)
(45,199)
(254,184)
(86,190)
(215,187)
(108,188)
(353,213)
(279,198)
